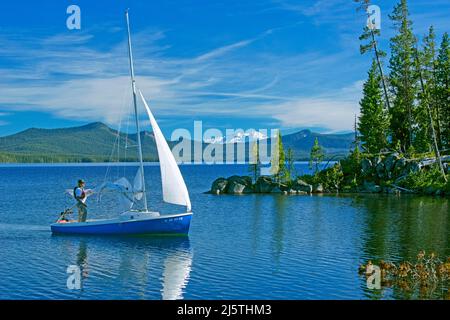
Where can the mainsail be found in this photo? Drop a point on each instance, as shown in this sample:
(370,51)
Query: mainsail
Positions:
(173,186)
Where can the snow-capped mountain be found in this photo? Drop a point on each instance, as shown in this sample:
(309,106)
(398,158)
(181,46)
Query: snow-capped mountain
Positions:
(238,137)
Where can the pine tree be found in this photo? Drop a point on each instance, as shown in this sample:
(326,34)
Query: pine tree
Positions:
(425,102)
(442,93)
(255,162)
(316,156)
(373,120)
(279,165)
(403,78)
(370,34)
(290,170)
(426,66)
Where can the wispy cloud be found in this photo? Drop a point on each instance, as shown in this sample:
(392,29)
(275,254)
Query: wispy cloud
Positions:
(70,76)
(91,84)
(223,50)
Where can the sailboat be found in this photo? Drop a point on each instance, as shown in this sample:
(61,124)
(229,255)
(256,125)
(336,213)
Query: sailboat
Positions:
(141,221)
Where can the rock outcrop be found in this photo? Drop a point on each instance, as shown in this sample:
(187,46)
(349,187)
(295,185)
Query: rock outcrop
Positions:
(264,184)
(384,173)
(219,186)
(239,185)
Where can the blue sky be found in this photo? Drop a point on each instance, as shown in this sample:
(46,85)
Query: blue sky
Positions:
(232,64)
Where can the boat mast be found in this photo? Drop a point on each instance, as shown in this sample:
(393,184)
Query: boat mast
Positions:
(133,87)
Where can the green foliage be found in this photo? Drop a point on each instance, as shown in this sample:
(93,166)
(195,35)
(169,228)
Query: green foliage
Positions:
(425,64)
(316,156)
(331,178)
(373,120)
(442,92)
(278,164)
(351,168)
(403,77)
(94,142)
(425,178)
(290,169)
(419,107)
(255,164)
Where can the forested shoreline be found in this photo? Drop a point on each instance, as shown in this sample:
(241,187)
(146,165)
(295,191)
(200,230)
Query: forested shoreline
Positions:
(402,135)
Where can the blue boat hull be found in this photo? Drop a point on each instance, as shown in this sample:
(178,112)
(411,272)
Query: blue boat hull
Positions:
(170,224)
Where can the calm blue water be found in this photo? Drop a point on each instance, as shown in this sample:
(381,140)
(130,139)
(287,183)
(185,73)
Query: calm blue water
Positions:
(239,247)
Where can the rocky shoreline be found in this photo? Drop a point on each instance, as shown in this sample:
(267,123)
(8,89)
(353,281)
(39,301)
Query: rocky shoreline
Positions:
(389,174)
(264,184)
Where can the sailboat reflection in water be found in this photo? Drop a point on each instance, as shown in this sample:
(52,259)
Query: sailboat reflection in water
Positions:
(147,267)
(140,221)
(177,268)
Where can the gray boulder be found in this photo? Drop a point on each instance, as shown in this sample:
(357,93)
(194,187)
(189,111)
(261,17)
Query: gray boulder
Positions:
(219,186)
(239,185)
(317,188)
(300,185)
(264,185)
(381,170)
(236,188)
(400,165)
(390,161)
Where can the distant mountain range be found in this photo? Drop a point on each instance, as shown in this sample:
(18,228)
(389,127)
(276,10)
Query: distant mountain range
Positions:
(96,142)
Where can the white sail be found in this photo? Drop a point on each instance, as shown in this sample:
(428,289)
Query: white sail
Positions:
(173,186)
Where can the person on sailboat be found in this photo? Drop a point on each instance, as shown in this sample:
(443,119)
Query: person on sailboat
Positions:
(80,196)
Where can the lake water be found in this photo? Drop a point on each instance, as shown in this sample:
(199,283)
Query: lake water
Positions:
(239,247)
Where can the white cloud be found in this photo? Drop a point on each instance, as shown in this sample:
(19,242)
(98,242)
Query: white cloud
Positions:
(334,111)
(93,85)
(223,50)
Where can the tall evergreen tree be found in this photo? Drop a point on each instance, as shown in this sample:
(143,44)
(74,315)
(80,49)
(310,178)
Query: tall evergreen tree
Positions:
(255,161)
(290,169)
(316,156)
(369,35)
(442,93)
(373,120)
(278,165)
(426,66)
(425,102)
(403,78)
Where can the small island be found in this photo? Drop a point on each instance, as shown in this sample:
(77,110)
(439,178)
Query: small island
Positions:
(359,173)
(402,132)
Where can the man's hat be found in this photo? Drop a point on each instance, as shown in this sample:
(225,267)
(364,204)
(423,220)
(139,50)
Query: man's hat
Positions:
(80,181)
